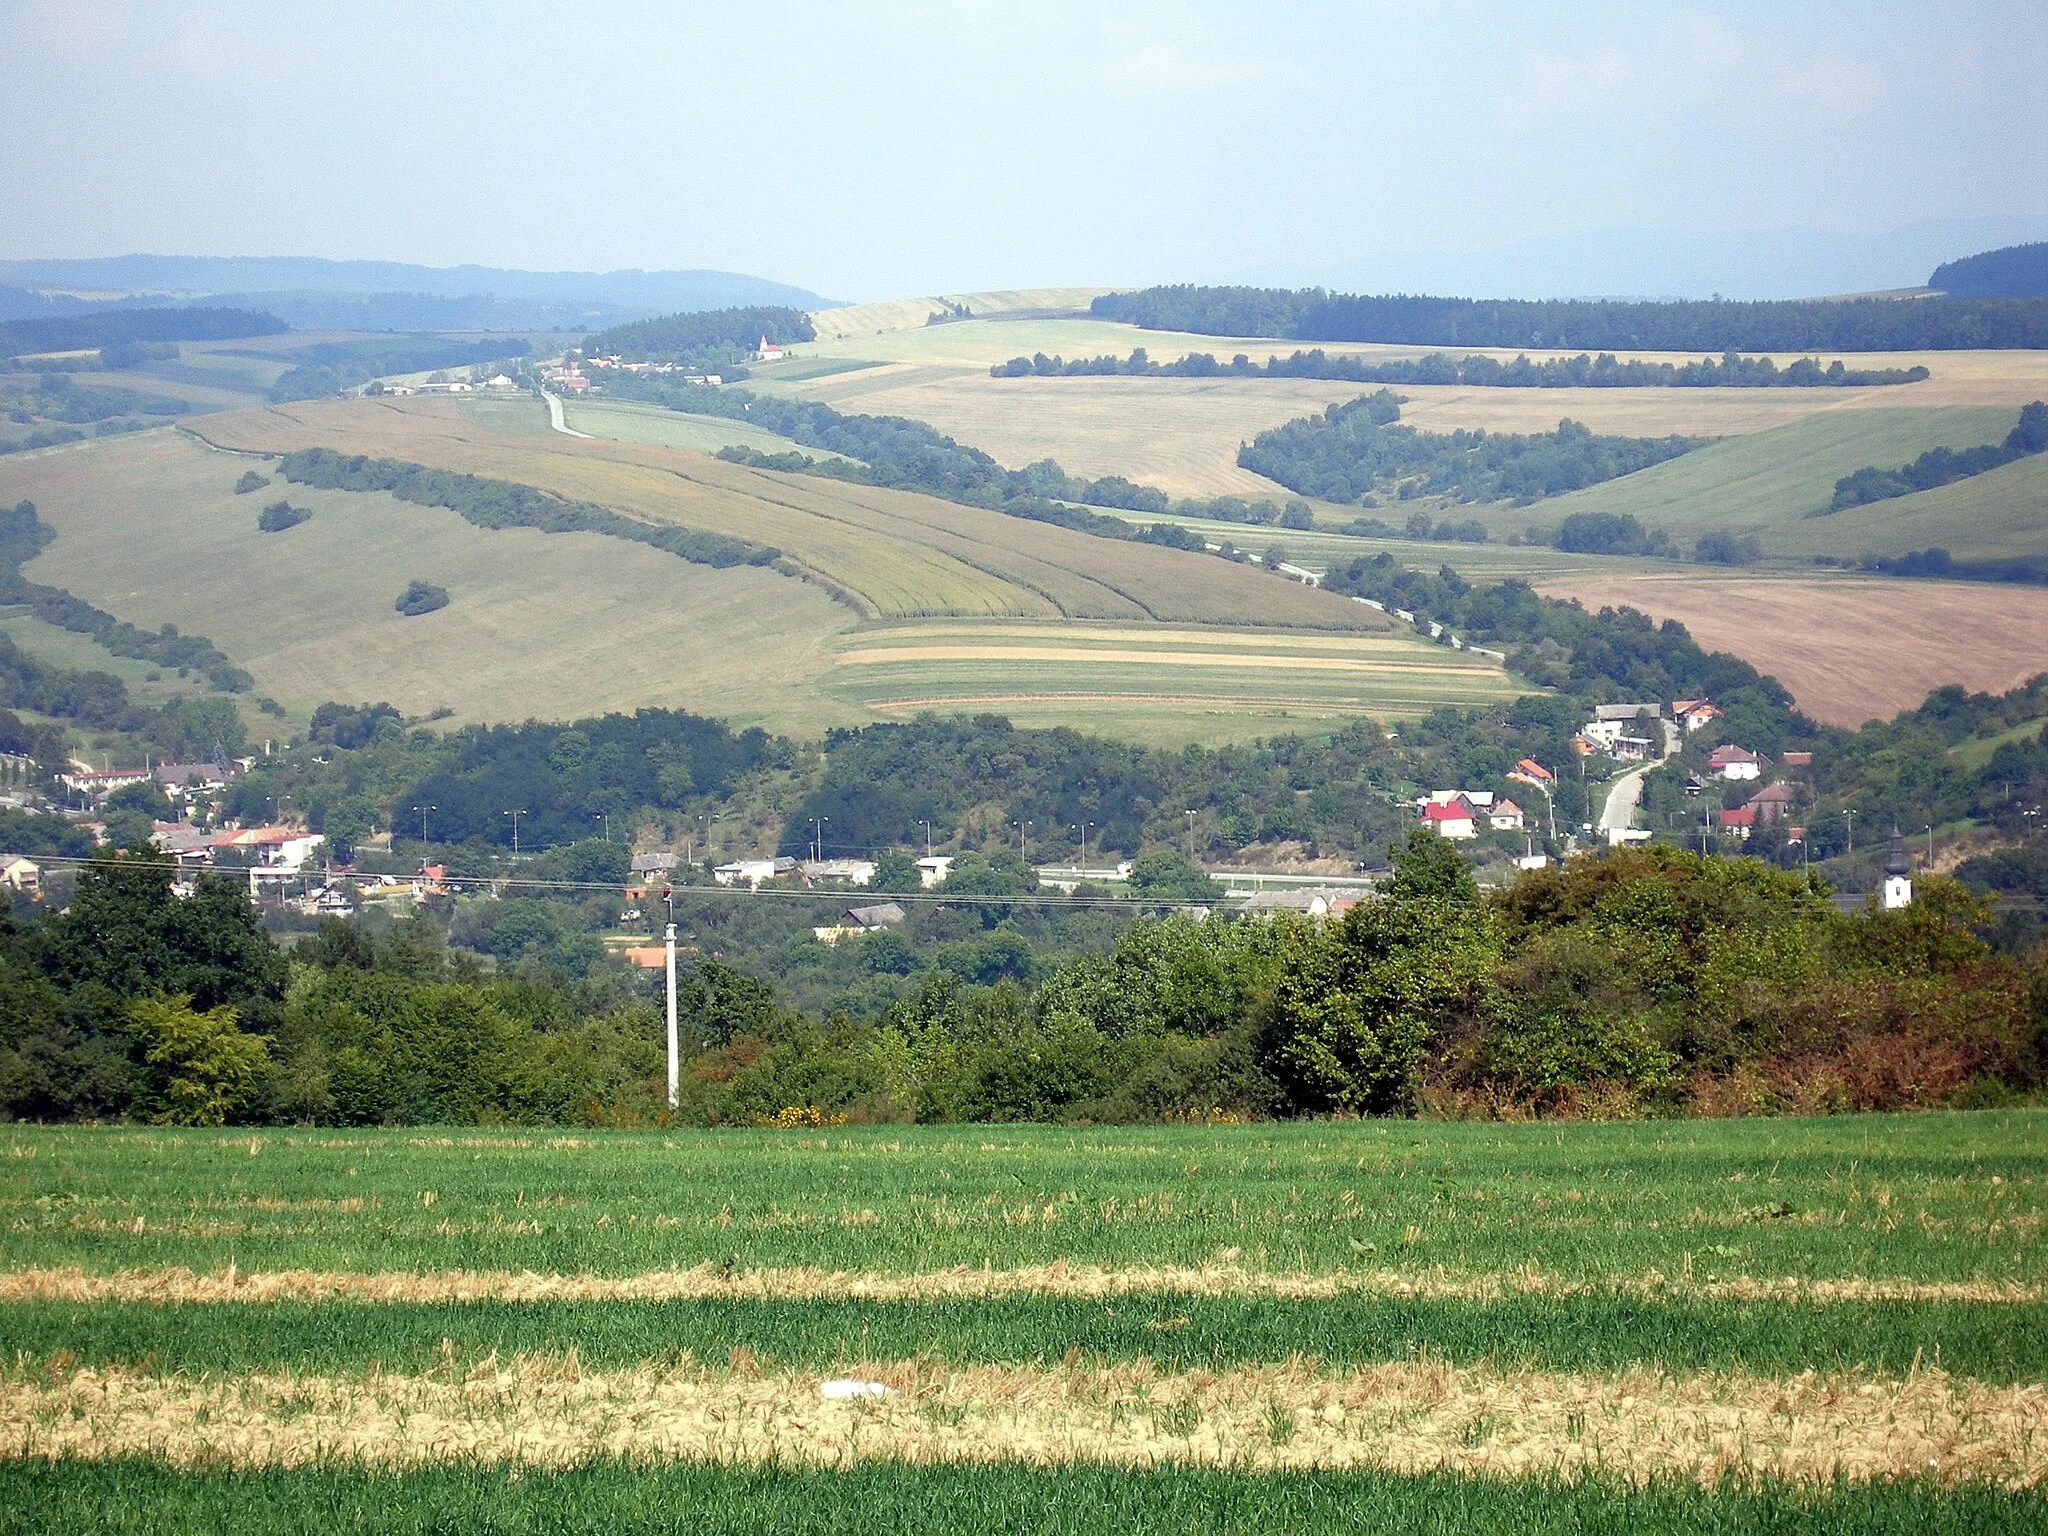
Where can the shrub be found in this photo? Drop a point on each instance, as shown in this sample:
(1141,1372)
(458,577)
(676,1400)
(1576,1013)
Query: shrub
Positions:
(422,597)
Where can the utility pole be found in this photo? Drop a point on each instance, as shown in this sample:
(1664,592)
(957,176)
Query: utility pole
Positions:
(1086,827)
(1930,849)
(1850,818)
(515,815)
(606,818)
(1191,835)
(672,1044)
(927,836)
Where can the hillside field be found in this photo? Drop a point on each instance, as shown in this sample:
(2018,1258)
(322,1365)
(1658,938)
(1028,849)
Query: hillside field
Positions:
(1850,649)
(555,626)
(1777,1325)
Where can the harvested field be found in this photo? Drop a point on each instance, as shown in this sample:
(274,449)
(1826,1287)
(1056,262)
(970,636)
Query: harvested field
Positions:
(1410,1417)
(1850,649)
(1413,1314)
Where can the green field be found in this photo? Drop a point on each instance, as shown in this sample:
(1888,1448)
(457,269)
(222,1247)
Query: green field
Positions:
(1717,1326)
(1777,483)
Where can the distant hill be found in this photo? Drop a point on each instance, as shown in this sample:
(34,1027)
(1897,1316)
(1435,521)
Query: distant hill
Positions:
(313,293)
(2016,272)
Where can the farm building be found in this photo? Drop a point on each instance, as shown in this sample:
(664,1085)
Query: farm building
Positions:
(859,920)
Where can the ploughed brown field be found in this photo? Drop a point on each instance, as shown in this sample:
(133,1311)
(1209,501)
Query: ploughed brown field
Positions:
(1850,649)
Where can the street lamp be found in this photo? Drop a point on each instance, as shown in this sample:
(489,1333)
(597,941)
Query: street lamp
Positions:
(1850,818)
(1191,835)
(927,836)
(515,815)
(606,818)
(423,809)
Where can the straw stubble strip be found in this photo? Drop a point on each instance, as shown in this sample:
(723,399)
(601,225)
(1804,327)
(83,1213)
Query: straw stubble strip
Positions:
(708,1283)
(1406,1418)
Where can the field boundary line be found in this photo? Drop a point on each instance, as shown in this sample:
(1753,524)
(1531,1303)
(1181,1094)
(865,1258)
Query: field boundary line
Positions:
(708,1283)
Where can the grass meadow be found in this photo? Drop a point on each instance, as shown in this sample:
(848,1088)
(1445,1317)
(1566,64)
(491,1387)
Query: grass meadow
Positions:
(1699,1326)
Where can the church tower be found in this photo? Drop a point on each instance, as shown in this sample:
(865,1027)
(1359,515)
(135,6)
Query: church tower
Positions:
(1898,879)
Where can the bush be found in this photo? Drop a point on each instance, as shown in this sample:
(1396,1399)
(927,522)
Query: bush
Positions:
(280,515)
(422,597)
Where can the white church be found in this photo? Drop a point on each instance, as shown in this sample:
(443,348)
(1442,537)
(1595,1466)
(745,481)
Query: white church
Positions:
(1898,879)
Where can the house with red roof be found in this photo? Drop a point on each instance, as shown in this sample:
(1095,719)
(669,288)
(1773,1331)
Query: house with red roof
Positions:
(1741,821)
(1455,818)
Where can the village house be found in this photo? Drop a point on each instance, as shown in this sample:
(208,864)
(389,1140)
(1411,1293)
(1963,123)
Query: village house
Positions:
(859,920)
(23,875)
(1505,817)
(185,780)
(1456,818)
(1731,762)
(1772,803)
(930,871)
(852,871)
(1307,901)
(1694,714)
(95,785)
(191,846)
(753,871)
(1534,774)
(653,863)
(1741,821)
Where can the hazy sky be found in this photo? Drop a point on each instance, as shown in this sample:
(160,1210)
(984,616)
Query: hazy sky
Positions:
(867,150)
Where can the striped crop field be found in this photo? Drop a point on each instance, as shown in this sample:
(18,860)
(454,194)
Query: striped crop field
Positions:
(1826,1325)
(1156,683)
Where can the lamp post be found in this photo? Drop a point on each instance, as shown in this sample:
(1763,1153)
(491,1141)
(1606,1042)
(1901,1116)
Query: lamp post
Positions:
(515,815)
(1191,835)
(606,818)
(1850,835)
(927,836)
(423,809)
(670,958)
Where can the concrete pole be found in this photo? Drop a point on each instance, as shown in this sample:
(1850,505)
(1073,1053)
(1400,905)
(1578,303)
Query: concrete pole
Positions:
(672,1043)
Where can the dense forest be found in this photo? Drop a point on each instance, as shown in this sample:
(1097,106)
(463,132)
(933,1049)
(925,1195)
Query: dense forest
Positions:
(502,504)
(1638,982)
(702,336)
(1716,325)
(1357,452)
(2014,272)
(1731,371)
(1944,466)
(78,333)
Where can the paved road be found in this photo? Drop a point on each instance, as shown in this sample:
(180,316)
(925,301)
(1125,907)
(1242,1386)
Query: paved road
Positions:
(1619,814)
(556,419)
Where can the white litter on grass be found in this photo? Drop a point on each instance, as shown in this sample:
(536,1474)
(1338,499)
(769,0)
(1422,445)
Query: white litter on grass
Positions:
(847,1386)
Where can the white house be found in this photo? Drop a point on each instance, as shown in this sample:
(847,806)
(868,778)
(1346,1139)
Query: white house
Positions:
(21,874)
(934,869)
(752,871)
(1730,762)
(1505,817)
(858,920)
(1451,818)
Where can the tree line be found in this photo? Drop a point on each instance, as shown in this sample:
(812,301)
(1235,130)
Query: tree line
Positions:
(700,335)
(504,504)
(1710,325)
(1640,982)
(1353,453)
(23,533)
(1730,371)
(1944,466)
(80,333)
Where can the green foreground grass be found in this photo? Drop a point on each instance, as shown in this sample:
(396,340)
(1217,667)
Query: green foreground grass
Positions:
(1991,1342)
(140,1496)
(1944,1197)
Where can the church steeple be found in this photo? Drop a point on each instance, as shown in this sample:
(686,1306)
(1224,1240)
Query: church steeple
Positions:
(1898,874)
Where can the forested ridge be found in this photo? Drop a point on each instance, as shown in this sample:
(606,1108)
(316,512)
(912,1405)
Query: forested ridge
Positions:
(77,333)
(1730,371)
(1714,325)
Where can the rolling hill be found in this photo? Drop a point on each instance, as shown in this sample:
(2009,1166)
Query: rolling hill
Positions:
(885,603)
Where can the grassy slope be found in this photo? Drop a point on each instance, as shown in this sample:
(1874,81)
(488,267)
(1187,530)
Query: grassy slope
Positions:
(625,422)
(540,624)
(1769,482)
(616,625)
